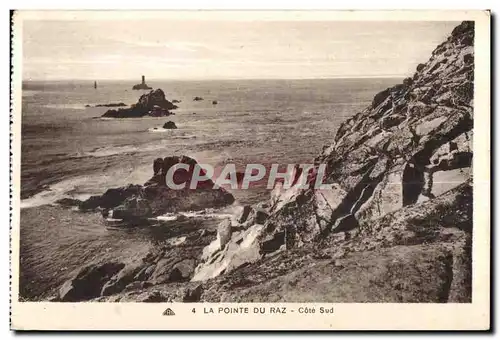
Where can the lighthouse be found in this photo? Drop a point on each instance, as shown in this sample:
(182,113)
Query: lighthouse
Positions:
(142,85)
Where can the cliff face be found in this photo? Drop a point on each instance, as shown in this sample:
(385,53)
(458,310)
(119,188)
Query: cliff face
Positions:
(401,175)
(401,150)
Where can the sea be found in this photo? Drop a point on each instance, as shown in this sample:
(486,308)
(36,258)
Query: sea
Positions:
(67,150)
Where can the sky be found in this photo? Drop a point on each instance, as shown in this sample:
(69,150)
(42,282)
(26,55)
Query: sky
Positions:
(201,49)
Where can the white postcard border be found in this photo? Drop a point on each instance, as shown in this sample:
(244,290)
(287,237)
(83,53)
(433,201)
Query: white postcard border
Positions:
(148,316)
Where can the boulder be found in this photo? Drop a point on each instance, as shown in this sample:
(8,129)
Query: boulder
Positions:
(168,271)
(197,98)
(182,271)
(169,125)
(161,274)
(145,273)
(193,294)
(255,216)
(153,296)
(243,216)
(120,280)
(88,281)
(242,248)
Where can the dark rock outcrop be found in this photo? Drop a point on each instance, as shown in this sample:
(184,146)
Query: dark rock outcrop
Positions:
(141,87)
(196,99)
(69,202)
(169,125)
(88,282)
(136,202)
(111,105)
(152,104)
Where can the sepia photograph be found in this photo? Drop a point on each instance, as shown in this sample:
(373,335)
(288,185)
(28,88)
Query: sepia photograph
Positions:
(250,158)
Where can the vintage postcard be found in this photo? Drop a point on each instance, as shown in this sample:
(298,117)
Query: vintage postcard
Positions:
(250,170)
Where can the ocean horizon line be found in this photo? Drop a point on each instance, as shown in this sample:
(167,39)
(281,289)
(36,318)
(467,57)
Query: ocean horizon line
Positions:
(211,79)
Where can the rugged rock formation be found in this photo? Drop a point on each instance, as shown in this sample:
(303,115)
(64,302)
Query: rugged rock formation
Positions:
(153,104)
(389,166)
(135,203)
(196,99)
(420,253)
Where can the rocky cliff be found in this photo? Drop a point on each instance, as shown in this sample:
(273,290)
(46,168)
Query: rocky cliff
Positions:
(412,144)
(399,216)
(395,227)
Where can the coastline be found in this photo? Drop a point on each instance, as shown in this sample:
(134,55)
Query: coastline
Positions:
(409,132)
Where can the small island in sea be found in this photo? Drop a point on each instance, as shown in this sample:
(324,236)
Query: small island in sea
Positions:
(152,104)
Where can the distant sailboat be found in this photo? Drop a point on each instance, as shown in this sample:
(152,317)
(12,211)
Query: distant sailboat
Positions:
(95,84)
